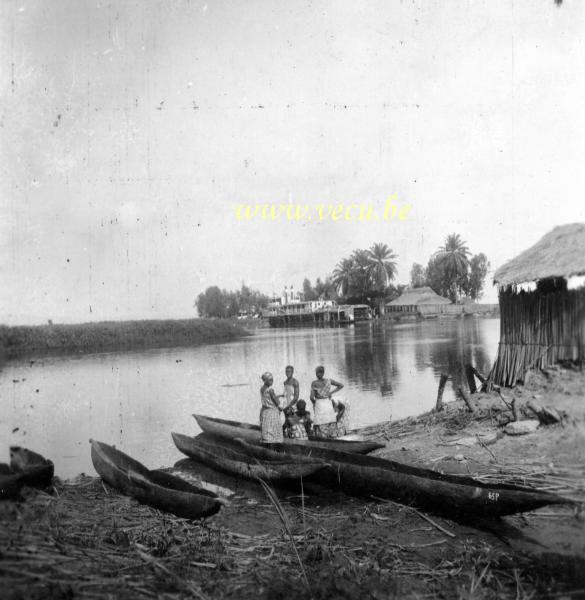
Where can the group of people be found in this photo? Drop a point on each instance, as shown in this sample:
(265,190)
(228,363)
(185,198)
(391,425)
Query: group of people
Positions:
(330,415)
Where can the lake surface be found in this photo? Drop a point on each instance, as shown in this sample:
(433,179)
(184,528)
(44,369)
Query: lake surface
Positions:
(54,405)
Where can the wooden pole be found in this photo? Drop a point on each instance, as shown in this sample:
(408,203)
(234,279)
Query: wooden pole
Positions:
(515,410)
(466,399)
(442,382)
(478,375)
(470,379)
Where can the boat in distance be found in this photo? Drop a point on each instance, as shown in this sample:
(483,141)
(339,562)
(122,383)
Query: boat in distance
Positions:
(251,433)
(156,488)
(369,476)
(230,460)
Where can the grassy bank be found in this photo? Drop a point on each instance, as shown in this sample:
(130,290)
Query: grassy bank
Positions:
(115,335)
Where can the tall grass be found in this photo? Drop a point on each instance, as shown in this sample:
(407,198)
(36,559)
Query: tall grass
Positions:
(115,335)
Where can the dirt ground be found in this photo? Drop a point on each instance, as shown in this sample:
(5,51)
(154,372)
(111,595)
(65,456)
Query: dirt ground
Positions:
(83,540)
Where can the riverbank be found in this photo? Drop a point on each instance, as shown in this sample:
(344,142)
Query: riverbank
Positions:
(86,541)
(115,335)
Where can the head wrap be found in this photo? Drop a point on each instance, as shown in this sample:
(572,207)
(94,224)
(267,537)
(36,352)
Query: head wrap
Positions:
(266,376)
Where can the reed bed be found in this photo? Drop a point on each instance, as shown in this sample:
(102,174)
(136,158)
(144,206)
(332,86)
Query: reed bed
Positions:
(86,541)
(115,335)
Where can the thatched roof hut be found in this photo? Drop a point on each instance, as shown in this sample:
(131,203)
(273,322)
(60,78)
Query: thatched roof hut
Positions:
(413,299)
(416,296)
(542,305)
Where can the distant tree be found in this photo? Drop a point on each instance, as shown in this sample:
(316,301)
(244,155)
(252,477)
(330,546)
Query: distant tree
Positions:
(360,276)
(417,276)
(381,267)
(435,277)
(479,267)
(221,303)
(212,303)
(365,275)
(325,289)
(394,291)
(232,303)
(381,270)
(308,291)
(342,276)
(453,257)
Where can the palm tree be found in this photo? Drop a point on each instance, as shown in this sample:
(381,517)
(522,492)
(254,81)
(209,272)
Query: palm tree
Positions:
(343,276)
(453,257)
(360,277)
(381,269)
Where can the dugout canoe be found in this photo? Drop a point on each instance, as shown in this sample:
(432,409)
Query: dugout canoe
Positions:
(280,467)
(156,488)
(369,476)
(10,482)
(251,433)
(36,470)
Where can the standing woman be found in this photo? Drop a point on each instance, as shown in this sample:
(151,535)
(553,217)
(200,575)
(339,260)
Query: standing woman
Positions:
(270,412)
(291,387)
(327,412)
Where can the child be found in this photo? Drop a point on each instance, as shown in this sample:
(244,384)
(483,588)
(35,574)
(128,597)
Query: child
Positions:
(298,425)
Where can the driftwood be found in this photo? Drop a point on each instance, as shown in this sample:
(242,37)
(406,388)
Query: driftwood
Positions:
(442,382)
(466,399)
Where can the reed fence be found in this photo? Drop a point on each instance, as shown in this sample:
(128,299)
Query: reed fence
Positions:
(538,329)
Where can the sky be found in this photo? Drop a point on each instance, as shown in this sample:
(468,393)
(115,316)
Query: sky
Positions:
(131,131)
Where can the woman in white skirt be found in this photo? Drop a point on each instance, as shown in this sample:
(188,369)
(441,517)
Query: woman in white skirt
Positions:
(329,415)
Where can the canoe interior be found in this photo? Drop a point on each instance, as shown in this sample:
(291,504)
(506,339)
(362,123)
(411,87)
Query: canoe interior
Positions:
(156,488)
(252,433)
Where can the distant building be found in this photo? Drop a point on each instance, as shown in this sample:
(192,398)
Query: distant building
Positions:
(290,296)
(418,301)
(542,305)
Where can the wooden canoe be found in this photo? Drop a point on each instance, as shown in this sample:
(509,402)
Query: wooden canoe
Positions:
(10,482)
(36,470)
(450,494)
(156,488)
(251,433)
(230,460)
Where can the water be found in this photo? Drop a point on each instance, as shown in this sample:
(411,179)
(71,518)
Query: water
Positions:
(54,405)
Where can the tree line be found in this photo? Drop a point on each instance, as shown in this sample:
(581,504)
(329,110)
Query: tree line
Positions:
(367,276)
(214,302)
(452,272)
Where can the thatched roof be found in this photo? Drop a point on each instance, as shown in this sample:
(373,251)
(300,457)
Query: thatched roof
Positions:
(421,295)
(560,253)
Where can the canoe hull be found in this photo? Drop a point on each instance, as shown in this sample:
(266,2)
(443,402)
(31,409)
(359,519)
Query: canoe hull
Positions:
(230,460)
(158,489)
(251,433)
(36,470)
(450,494)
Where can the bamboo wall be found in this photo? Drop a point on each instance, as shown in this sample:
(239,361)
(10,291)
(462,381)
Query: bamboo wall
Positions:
(538,329)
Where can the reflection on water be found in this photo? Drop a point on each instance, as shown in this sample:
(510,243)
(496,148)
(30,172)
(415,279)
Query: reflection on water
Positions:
(135,399)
